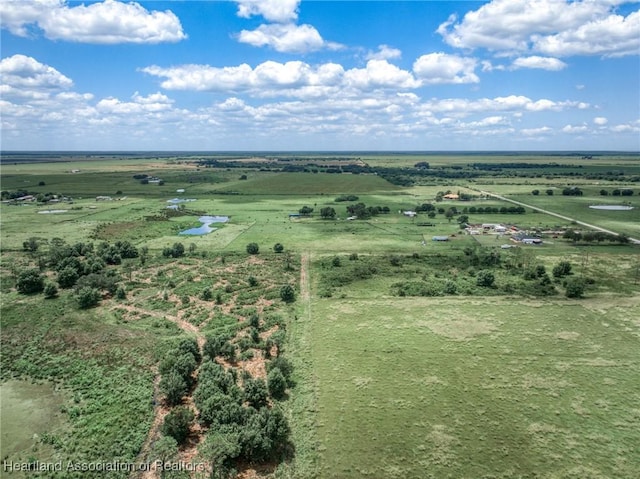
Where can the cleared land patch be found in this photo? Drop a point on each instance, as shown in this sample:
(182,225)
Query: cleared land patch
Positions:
(399,393)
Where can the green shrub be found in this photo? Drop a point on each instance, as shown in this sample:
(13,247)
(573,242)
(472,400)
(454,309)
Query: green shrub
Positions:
(563,268)
(574,288)
(50,290)
(174,387)
(178,423)
(87,297)
(485,278)
(276,383)
(206,295)
(30,281)
(287,294)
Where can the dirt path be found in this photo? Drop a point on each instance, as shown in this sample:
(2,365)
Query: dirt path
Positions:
(557,215)
(188,452)
(305,288)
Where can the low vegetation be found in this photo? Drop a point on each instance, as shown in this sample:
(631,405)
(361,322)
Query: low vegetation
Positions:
(320,332)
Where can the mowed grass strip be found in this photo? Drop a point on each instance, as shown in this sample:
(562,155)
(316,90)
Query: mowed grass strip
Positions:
(424,388)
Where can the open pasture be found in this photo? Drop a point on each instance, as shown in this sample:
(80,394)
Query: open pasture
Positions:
(577,207)
(415,388)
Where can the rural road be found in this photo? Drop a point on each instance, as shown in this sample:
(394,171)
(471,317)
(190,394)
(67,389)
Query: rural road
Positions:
(582,223)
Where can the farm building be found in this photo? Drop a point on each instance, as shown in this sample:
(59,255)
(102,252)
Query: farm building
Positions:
(451,196)
(492,226)
(410,214)
(526,239)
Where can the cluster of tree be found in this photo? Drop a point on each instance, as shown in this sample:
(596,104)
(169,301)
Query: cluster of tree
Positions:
(520,210)
(572,191)
(561,269)
(176,371)
(40,197)
(540,282)
(305,211)
(327,213)
(342,198)
(483,257)
(363,211)
(219,344)
(518,166)
(617,192)
(425,207)
(81,266)
(175,251)
(595,236)
(12,195)
(242,425)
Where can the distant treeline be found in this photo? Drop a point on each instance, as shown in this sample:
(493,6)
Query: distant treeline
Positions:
(518,166)
(421,171)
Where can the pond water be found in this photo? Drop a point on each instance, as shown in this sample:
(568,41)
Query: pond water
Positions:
(175,201)
(205,228)
(611,207)
(27,411)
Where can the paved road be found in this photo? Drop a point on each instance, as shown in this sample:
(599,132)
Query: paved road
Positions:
(597,228)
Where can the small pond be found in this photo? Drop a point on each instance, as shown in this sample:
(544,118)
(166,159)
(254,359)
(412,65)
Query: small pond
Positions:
(611,207)
(175,201)
(205,228)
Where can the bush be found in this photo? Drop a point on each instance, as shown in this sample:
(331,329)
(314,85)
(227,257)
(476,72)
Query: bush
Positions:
(485,278)
(278,248)
(207,294)
(30,281)
(174,387)
(177,424)
(121,293)
(255,392)
(253,248)
(574,288)
(87,297)
(176,251)
(563,268)
(287,294)
(50,290)
(276,383)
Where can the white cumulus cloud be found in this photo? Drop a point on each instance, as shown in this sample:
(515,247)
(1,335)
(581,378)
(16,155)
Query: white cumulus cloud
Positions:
(553,27)
(293,78)
(543,63)
(288,38)
(107,22)
(385,52)
(24,72)
(280,11)
(436,68)
(600,121)
(613,36)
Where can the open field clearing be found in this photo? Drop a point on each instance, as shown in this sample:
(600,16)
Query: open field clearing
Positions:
(418,388)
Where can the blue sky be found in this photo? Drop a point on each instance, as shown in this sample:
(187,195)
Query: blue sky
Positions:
(320,75)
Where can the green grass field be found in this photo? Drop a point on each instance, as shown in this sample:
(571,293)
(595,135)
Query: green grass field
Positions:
(474,384)
(417,388)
